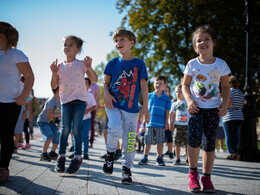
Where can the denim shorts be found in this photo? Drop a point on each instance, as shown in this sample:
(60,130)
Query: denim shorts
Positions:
(48,131)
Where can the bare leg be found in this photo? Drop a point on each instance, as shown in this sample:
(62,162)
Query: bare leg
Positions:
(147,149)
(54,147)
(159,149)
(193,156)
(178,151)
(46,144)
(170,147)
(208,161)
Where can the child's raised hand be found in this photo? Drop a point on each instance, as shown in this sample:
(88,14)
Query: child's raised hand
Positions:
(87,61)
(108,100)
(192,107)
(222,110)
(55,67)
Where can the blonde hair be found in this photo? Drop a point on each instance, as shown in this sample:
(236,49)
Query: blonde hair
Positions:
(10,33)
(123,32)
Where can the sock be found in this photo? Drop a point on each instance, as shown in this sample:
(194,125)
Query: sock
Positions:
(205,174)
(78,157)
(62,155)
(193,169)
(44,152)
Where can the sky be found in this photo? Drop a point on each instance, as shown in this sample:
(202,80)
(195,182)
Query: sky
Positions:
(42,25)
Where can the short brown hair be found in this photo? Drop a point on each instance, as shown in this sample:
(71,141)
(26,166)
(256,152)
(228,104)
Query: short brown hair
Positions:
(233,82)
(123,32)
(160,77)
(10,33)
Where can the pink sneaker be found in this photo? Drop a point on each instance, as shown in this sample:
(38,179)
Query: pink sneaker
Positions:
(194,184)
(20,145)
(26,146)
(207,184)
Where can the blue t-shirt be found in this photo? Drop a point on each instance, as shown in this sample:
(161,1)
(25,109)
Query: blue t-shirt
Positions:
(125,82)
(157,107)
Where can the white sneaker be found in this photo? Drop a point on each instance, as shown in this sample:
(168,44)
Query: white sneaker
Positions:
(221,150)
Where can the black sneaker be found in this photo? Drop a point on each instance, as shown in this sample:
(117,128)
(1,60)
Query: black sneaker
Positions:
(53,155)
(45,157)
(60,164)
(104,156)
(86,157)
(108,165)
(166,153)
(118,154)
(160,161)
(74,166)
(171,155)
(177,162)
(127,176)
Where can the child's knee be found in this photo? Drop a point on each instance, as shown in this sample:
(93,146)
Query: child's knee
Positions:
(115,130)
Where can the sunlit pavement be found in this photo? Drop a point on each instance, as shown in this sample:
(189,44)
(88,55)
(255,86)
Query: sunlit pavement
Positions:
(29,175)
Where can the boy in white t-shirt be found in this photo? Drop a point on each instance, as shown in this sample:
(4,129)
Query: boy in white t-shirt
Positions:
(179,123)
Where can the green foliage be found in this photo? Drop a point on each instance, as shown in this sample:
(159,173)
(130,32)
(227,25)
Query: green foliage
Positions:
(164,29)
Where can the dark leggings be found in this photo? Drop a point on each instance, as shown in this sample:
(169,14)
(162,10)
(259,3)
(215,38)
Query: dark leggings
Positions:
(26,131)
(92,131)
(9,113)
(203,127)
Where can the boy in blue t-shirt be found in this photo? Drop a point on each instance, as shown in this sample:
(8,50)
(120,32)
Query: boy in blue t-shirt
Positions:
(124,77)
(159,107)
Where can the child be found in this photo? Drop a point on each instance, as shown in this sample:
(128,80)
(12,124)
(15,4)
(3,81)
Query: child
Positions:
(124,78)
(49,129)
(86,122)
(13,63)
(179,122)
(69,75)
(159,107)
(168,132)
(220,137)
(202,77)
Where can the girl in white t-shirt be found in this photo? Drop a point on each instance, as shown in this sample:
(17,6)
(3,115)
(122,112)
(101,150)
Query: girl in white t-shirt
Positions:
(69,76)
(13,64)
(202,77)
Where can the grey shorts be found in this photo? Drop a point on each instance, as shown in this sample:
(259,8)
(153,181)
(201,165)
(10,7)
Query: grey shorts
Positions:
(154,135)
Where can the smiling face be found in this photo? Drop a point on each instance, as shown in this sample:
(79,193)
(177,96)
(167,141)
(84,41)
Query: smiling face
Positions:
(123,44)
(159,85)
(70,48)
(203,43)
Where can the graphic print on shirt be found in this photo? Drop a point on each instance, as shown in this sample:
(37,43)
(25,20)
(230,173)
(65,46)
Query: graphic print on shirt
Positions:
(205,87)
(55,110)
(181,109)
(124,88)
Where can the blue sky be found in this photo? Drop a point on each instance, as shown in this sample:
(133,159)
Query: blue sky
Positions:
(42,24)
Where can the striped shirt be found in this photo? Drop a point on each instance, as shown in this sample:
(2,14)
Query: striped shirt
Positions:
(157,107)
(235,111)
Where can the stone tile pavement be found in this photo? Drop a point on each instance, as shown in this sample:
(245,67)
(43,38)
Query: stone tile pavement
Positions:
(29,175)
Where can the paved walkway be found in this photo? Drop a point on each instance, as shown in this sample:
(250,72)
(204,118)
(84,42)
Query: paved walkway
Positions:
(29,175)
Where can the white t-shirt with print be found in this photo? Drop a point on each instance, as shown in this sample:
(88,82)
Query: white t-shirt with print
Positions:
(91,101)
(205,81)
(181,112)
(10,75)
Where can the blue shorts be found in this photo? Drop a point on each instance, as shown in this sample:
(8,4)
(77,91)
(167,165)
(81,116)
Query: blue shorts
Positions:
(48,131)
(168,136)
(203,124)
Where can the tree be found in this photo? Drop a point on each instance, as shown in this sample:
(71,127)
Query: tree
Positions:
(164,32)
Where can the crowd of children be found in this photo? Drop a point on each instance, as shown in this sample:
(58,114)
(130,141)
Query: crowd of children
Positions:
(192,120)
